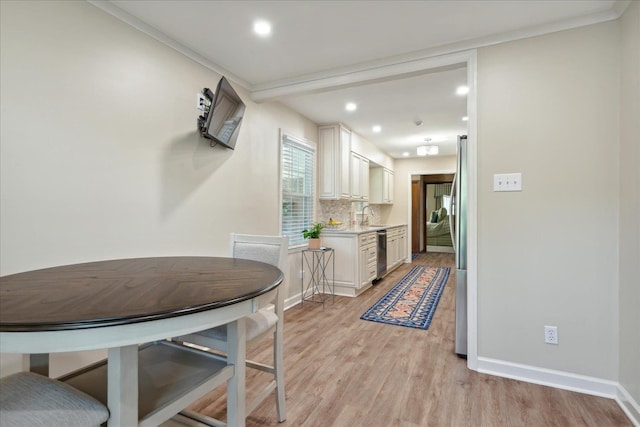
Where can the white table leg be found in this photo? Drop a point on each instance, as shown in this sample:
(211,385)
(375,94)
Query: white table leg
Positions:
(122,395)
(236,355)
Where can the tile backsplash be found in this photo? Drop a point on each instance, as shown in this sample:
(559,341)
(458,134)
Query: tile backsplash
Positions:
(339,210)
(346,210)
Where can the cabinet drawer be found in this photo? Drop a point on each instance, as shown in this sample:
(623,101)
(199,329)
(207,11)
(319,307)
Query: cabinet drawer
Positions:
(372,271)
(367,238)
(372,253)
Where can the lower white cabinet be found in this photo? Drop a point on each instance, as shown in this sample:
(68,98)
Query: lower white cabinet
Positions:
(356,258)
(396,246)
(368,258)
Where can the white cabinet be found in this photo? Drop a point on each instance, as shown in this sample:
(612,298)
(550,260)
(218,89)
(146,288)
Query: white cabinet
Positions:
(368,258)
(356,258)
(334,162)
(396,246)
(359,177)
(402,245)
(381,186)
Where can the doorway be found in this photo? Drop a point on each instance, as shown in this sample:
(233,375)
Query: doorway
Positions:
(430,226)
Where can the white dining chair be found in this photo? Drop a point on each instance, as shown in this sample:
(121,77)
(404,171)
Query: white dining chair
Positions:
(33,400)
(269,318)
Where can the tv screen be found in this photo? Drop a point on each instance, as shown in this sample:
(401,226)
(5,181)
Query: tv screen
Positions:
(222,123)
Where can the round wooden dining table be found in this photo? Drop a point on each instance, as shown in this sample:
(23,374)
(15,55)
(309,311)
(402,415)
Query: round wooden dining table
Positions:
(119,304)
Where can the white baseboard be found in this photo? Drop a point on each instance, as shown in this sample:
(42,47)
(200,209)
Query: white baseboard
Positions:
(549,377)
(565,381)
(447,249)
(292,301)
(630,407)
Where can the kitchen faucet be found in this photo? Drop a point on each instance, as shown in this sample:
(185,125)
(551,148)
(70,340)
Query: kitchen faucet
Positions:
(370,210)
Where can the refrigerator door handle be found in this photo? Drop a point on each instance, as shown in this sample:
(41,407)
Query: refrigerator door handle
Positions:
(454,208)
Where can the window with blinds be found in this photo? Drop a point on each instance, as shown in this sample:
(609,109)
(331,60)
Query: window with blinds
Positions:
(297,175)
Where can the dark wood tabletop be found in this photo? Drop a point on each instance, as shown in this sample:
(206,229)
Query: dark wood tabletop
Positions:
(107,293)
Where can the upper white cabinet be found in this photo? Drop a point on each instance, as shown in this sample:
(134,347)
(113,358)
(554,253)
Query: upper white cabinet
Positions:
(334,162)
(359,177)
(381,188)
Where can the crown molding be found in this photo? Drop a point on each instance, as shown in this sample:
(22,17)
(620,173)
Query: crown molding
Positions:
(366,72)
(115,11)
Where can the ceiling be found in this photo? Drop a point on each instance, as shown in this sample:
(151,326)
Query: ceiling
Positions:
(316,47)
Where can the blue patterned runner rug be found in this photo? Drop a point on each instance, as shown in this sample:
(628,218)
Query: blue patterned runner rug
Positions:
(413,301)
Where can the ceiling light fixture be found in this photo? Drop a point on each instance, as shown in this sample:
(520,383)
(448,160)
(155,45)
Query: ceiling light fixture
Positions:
(376,129)
(465,119)
(462,90)
(351,106)
(427,150)
(262,28)
(406,154)
(417,122)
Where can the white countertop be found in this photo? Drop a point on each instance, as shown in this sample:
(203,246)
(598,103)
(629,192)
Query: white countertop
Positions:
(359,229)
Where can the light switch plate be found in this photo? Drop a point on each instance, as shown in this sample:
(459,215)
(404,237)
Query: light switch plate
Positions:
(507,182)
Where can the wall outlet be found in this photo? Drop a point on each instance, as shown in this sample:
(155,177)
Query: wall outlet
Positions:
(551,334)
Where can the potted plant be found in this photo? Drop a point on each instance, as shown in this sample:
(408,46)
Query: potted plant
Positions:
(313,234)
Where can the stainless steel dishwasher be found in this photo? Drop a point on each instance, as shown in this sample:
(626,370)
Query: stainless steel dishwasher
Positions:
(382,254)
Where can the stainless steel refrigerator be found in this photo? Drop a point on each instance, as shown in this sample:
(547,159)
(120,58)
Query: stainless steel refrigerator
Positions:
(459,239)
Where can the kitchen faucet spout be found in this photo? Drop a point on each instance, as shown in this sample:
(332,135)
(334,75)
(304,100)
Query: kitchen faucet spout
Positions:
(362,216)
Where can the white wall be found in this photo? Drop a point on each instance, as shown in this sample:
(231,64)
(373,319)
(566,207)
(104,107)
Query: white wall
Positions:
(99,152)
(549,107)
(629,372)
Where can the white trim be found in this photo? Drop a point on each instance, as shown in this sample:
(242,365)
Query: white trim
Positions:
(416,61)
(548,377)
(370,70)
(470,57)
(115,11)
(442,249)
(472,212)
(393,68)
(629,406)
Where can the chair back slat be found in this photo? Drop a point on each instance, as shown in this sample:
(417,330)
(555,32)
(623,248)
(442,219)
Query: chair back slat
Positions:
(269,249)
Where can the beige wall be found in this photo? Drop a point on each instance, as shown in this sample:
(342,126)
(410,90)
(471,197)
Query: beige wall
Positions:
(549,107)
(99,150)
(629,370)
(98,144)
(403,169)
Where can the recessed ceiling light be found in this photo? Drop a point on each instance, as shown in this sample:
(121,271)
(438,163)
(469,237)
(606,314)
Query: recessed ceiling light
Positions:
(377,129)
(406,154)
(465,119)
(262,28)
(351,106)
(462,90)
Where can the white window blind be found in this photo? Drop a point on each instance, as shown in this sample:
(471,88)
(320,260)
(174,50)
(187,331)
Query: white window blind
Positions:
(297,174)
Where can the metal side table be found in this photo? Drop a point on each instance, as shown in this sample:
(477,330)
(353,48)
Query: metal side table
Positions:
(317,261)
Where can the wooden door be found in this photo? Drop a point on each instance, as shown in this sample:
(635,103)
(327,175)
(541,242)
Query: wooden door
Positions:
(415,216)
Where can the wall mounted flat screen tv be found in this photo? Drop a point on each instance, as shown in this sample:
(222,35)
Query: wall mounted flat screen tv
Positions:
(221,123)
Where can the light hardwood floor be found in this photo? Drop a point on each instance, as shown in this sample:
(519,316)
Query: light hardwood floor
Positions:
(343,371)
